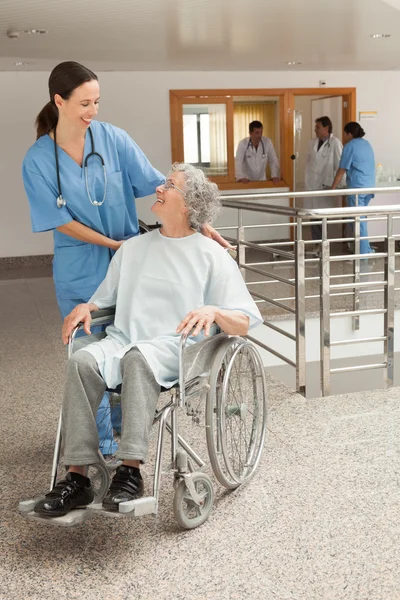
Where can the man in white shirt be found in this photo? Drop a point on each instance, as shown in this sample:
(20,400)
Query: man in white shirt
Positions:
(323,160)
(253,154)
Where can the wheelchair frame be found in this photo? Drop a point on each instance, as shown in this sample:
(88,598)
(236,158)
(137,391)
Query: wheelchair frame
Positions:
(193,487)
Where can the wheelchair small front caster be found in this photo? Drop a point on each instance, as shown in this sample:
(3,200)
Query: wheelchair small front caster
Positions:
(193,500)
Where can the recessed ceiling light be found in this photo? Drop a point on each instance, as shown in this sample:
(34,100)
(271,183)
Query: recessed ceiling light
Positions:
(293,63)
(376,36)
(21,63)
(35,31)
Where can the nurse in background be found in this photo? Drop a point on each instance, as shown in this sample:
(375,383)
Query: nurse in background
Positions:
(253,154)
(96,212)
(323,160)
(358,162)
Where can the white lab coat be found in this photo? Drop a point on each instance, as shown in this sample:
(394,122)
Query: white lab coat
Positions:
(251,163)
(321,169)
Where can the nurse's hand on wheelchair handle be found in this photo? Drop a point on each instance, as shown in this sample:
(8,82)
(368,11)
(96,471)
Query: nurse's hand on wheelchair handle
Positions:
(80,314)
(200,318)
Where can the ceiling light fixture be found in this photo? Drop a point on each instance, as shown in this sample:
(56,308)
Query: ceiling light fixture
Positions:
(376,36)
(13,34)
(35,31)
(293,63)
(21,63)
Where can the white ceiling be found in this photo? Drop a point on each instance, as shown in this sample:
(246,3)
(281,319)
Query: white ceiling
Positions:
(195,35)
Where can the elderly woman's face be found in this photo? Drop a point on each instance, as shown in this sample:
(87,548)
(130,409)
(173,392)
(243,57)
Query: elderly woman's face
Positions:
(170,201)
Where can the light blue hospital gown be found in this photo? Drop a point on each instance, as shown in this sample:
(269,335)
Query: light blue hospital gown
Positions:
(79,267)
(155,281)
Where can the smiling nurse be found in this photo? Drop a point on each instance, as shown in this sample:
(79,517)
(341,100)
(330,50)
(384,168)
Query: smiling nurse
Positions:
(83,187)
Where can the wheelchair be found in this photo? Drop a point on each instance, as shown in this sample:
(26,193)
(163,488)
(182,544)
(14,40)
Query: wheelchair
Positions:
(222,388)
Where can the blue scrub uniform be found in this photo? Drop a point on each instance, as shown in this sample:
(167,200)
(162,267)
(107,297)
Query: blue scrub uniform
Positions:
(79,267)
(359,161)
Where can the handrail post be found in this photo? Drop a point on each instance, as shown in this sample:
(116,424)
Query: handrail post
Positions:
(300,316)
(356,270)
(390,266)
(241,248)
(325,328)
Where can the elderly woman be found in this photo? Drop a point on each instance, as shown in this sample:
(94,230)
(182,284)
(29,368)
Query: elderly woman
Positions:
(164,283)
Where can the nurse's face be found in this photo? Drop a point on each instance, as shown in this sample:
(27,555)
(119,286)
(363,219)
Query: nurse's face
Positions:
(81,107)
(170,204)
(347,137)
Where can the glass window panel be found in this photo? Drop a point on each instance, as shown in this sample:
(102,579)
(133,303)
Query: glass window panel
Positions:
(257,108)
(211,138)
(190,139)
(205,138)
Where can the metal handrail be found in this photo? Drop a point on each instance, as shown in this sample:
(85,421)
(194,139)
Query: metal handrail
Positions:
(295,255)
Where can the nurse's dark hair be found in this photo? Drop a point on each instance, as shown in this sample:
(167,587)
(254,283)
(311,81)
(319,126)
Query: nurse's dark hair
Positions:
(354,129)
(255,125)
(63,80)
(325,122)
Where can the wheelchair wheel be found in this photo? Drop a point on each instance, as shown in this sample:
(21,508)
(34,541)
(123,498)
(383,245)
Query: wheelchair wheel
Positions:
(187,513)
(236,413)
(100,478)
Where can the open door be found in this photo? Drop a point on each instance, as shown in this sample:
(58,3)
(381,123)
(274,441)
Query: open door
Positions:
(331,107)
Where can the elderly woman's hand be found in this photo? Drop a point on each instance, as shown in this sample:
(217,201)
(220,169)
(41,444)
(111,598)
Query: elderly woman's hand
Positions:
(210,232)
(200,318)
(80,314)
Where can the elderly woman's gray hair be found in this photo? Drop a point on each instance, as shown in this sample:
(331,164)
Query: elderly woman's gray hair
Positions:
(202,197)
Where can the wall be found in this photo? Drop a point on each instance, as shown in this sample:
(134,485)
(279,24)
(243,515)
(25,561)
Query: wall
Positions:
(139,102)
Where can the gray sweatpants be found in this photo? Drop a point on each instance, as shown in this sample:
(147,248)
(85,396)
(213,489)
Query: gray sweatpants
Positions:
(83,392)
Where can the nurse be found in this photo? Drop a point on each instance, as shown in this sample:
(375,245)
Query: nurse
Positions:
(82,177)
(358,162)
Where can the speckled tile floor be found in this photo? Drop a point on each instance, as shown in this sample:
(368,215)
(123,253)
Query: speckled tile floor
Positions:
(320,520)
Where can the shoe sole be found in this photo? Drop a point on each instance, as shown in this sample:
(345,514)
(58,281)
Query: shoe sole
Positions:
(45,513)
(115,507)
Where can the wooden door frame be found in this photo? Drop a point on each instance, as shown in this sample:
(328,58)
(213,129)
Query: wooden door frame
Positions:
(349,113)
(179,97)
(286,111)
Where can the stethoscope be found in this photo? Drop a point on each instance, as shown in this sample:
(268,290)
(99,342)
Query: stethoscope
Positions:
(61,200)
(250,143)
(325,146)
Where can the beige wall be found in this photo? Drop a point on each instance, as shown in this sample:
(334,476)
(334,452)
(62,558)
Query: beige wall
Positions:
(139,103)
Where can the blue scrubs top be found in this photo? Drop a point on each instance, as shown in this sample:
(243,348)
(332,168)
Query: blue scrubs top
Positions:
(359,161)
(79,267)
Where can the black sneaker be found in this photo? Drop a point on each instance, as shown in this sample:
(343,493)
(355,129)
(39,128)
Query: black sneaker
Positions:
(127,484)
(75,491)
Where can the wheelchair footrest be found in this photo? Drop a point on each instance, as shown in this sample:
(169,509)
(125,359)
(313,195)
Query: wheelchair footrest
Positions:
(132,508)
(74,517)
(139,507)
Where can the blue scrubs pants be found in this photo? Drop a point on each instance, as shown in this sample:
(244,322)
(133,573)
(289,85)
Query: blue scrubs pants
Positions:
(363,200)
(105,419)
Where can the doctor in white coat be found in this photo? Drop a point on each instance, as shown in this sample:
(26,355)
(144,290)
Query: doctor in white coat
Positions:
(323,160)
(253,154)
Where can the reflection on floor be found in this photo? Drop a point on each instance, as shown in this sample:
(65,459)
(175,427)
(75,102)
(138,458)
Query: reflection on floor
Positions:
(319,521)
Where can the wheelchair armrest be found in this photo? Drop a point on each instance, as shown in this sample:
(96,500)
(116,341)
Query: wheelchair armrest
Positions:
(102,316)
(214,330)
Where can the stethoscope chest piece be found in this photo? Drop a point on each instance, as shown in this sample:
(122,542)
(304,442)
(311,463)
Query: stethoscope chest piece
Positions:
(250,144)
(60,199)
